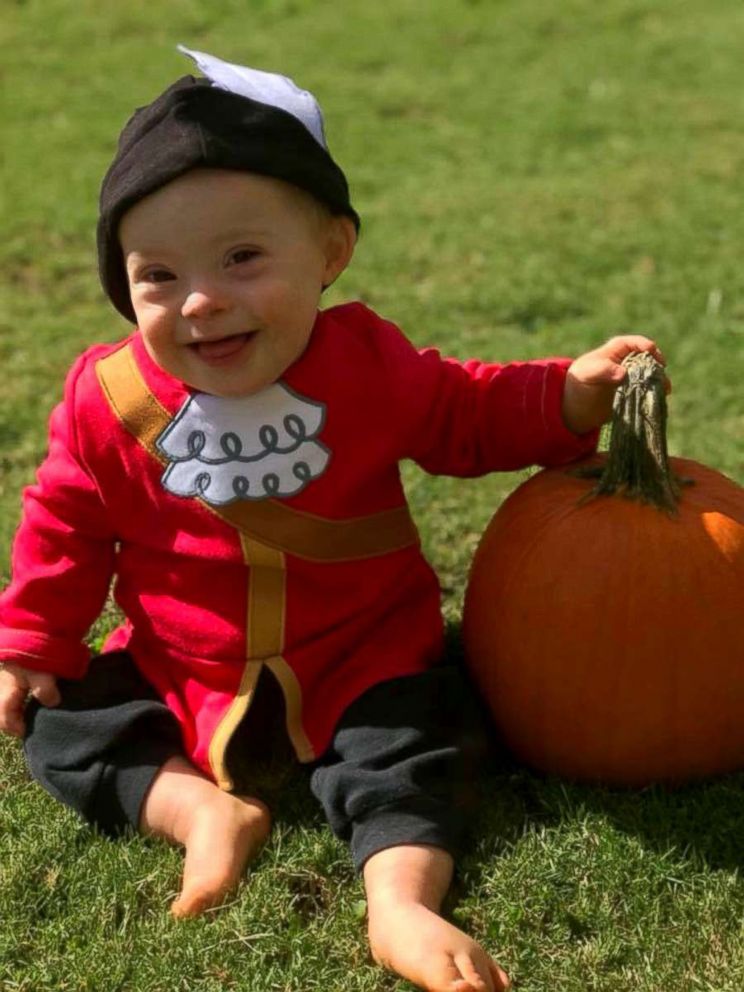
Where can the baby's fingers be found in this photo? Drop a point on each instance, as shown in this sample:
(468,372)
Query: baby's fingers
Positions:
(596,369)
(12,702)
(43,687)
(15,686)
(618,348)
(627,345)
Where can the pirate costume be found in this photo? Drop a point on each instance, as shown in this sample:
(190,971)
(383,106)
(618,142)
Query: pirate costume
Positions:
(261,545)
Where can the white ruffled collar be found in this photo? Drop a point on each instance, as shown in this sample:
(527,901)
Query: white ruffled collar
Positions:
(224,449)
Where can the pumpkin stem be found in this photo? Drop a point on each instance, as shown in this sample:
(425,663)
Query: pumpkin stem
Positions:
(637,464)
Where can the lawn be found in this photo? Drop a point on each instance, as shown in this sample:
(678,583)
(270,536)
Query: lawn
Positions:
(533,177)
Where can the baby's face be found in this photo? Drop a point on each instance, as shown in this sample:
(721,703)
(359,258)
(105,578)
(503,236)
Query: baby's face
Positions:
(225,272)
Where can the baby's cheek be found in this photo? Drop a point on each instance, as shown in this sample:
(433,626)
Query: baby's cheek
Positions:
(290,304)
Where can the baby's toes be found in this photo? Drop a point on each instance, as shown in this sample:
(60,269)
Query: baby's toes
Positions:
(479,973)
(472,980)
(502,982)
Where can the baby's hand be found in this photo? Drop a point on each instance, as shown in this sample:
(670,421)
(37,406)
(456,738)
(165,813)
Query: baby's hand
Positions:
(16,684)
(593,378)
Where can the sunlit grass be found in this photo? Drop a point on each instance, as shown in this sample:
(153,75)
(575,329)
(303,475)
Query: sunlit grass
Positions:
(532,177)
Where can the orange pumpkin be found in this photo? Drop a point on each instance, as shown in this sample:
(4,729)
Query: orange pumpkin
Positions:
(606,631)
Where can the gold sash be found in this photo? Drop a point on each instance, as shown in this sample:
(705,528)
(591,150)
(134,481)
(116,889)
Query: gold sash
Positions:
(267,530)
(269,521)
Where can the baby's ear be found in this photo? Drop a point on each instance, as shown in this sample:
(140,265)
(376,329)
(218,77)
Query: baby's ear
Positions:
(341,239)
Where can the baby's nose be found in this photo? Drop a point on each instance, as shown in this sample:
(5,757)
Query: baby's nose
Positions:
(203,302)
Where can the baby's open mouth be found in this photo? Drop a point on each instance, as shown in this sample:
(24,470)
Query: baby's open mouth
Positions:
(222,349)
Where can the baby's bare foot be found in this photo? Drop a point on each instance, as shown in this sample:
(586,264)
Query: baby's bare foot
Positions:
(221,832)
(223,836)
(419,945)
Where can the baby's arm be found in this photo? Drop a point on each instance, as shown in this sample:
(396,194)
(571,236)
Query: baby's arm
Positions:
(592,379)
(62,562)
(466,418)
(16,684)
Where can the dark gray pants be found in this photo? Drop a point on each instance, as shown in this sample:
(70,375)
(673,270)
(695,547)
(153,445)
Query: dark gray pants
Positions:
(400,770)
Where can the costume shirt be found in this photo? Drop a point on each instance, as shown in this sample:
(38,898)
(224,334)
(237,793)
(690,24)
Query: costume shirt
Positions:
(262,533)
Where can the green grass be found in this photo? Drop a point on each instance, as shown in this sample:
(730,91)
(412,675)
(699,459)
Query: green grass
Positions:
(532,178)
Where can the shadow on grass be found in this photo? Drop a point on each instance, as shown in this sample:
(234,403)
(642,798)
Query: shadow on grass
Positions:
(703,821)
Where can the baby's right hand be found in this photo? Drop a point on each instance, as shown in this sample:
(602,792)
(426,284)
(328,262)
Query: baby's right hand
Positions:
(16,685)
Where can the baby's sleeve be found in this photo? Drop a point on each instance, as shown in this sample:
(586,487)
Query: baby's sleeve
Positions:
(466,418)
(63,555)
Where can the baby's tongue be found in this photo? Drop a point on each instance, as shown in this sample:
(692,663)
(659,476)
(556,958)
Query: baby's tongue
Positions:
(223,348)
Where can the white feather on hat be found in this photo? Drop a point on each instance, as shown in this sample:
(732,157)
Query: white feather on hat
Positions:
(265,87)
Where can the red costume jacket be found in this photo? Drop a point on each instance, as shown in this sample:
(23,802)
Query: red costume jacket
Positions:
(283,542)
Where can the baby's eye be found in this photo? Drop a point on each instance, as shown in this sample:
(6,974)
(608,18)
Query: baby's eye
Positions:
(156,275)
(241,255)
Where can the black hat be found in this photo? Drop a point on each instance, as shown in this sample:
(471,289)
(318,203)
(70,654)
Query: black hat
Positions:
(197,123)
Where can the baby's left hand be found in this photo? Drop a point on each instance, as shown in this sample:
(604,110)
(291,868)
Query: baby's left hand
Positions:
(593,378)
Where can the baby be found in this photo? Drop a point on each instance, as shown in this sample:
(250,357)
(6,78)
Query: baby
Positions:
(233,466)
